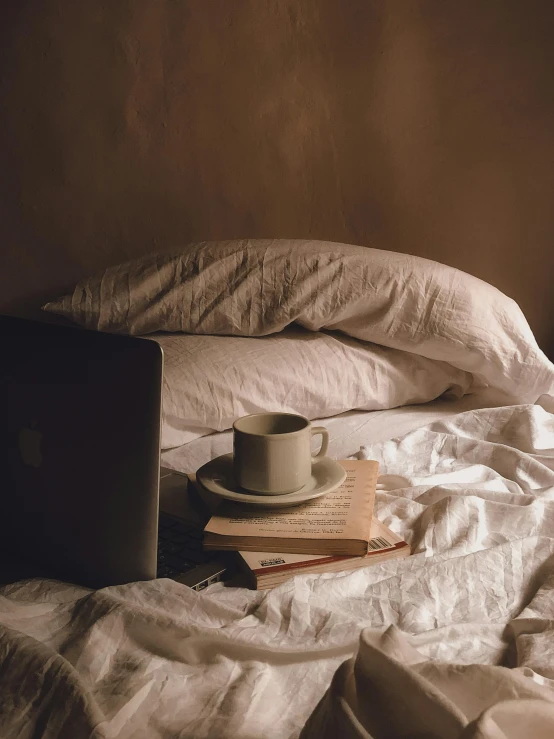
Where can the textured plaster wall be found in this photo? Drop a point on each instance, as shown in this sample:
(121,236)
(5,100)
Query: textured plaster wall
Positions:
(423,126)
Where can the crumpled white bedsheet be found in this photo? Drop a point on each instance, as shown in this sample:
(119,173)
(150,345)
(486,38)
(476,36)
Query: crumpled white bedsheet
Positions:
(474,495)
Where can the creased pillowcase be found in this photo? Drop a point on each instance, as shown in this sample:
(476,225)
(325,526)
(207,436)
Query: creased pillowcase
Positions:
(257,287)
(209,381)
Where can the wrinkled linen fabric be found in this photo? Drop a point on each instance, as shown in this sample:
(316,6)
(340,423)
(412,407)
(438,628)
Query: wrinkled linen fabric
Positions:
(467,620)
(390,690)
(260,286)
(210,381)
(347,431)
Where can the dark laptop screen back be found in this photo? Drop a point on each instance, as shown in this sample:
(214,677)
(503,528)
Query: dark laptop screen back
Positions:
(79,451)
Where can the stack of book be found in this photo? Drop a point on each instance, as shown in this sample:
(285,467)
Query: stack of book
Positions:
(336,533)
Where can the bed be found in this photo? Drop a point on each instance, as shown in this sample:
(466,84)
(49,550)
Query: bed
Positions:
(428,370)
(420,128)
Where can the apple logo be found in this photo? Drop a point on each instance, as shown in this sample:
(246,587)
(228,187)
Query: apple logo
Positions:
(30,440)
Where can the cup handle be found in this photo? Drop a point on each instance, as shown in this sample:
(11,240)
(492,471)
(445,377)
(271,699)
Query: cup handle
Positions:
(324,442)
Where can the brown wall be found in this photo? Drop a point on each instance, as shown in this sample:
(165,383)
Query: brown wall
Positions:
(419,126)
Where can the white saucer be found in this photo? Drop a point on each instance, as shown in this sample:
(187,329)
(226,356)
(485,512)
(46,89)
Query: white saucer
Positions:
(218,477)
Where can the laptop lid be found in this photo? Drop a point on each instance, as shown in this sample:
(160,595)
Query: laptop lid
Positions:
(79,452)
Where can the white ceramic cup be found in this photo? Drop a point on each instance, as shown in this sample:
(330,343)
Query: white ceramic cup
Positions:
(272,452)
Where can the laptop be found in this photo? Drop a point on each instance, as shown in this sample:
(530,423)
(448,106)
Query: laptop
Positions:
(80,424)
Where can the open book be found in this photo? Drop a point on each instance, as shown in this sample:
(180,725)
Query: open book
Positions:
(337,524)
(265,570)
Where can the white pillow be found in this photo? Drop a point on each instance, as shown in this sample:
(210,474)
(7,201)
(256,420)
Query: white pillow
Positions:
(209,381)
(257,287)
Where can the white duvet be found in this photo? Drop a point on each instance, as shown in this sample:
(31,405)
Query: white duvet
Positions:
(456,640)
